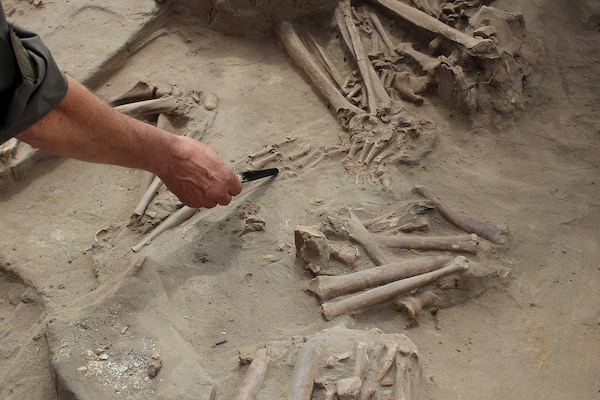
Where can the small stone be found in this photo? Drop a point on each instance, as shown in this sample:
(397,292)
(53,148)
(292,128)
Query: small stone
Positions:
(103,357)
(210,101)
(82,369)
(124,329)
(349,388)
(154,366)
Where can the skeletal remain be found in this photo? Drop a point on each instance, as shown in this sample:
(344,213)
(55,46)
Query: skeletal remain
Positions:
(304,151)
(362,365)
(328,287)
(402,386)
(390,291)
(360,235)
(149,107)
(162,89)
(413,305)
(488,230)
(186,212)
(254,376)
(8,150)
(365,150)
(313,247)
(289,40)
(410,86)
(478,47)
(366,393)
(381,30)
(210,101)
(303,377)
(349,388)
(387,360)
(260,164)
(141,91)
(343,13)
(425,62)
(383,155)
(152,190)
(432,8)
(357,145)
(329,65)
(467,243)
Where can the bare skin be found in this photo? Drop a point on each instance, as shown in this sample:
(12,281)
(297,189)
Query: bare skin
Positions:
(84,127)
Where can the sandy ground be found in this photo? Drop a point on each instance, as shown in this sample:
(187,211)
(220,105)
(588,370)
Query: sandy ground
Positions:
(533,335)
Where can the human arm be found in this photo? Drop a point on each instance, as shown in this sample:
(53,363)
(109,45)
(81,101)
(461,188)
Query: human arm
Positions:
(84,127)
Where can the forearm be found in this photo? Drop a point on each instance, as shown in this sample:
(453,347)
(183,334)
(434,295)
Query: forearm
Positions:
(84,127)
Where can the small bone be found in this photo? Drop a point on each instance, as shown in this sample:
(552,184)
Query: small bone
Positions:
(384,154)
(402,386)
(387,360)
(8,150)
(487,230)
(360,235)
(313,164)
(254,376)
(304,151)
(366,393)
(413,305)
(478,47)
(174,220)
(328,287)
(467,243)
(346,255)
(349,388)
(303,377)
(374,150)
(210,101)
(402,83)
(312,155)
(362,365)
(162,89)
(365,150)
(149,107)
(260,164)
(141,91)
(152,190)
(389,291)
(356,146)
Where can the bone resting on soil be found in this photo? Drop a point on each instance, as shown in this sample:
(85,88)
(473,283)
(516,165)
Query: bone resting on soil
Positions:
(389,291)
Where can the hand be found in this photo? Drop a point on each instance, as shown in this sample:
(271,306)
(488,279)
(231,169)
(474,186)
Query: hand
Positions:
(198,176)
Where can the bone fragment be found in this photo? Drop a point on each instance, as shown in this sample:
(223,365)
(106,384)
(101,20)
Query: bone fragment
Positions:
(362,365)
(384,154)
(174,220)
(425,62)
(304,151)
(346,255)
(356,146)
(210,101)
(328,287)
(349,388)
(147,198)
(376,148)
(387,360)
(402,386)
(343,13)
(329,65)
(365,150)
(488,230)
(360,235)
(477,47)
(467,243)
(291,43)
(260,164)
(8,150)
(391,290)
(412,306)
(141,91)
(402,82)
(254,376)
(162,89)
(303,377)
(149,107)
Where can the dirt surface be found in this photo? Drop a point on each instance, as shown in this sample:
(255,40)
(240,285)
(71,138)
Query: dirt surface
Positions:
(74,297)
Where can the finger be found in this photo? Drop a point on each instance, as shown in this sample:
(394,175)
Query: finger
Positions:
(224,200)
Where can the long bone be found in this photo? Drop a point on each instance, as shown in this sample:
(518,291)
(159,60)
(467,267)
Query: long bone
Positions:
(149,107)
(487,230)
(391,290)
(424,61)
(303,377)
(254,376)
(459,243)
(329,65)
(402,385)
(141,91)
(478,47)
(381,30)
(328,287)
(289,40)
(360,235)
(345,22)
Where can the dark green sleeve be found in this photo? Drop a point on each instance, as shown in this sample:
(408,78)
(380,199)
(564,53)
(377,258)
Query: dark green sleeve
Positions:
(31,85)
